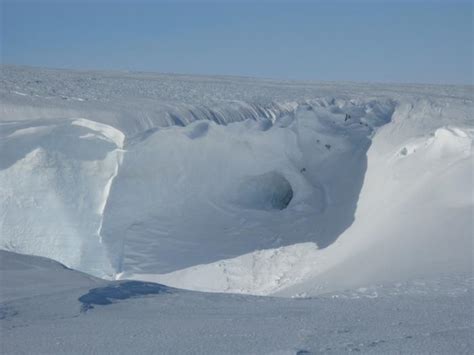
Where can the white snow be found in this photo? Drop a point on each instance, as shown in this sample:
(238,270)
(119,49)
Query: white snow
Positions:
(45,308)
(55,179)
(414,217)
(261,178)
(237,185)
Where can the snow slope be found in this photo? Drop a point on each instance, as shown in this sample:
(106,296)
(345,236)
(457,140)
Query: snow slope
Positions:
(236,184)
(414,217)
(58,310)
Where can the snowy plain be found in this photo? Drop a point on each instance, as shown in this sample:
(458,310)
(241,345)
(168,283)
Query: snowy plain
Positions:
(46,308)
(352,202)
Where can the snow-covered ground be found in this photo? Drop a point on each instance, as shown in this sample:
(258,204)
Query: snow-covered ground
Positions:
(46,308)
(239,185)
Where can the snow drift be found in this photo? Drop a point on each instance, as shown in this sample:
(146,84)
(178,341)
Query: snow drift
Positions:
(249,186)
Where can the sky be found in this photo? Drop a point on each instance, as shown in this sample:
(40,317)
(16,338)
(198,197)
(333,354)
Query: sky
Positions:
(370,41)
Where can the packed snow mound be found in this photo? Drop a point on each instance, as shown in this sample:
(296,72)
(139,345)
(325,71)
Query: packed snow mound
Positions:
(232,184)
(55,179)
(426,230)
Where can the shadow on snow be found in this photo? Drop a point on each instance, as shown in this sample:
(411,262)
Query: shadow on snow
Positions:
(103,296)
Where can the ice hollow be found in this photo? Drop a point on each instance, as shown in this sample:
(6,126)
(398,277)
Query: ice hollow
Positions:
(268,191)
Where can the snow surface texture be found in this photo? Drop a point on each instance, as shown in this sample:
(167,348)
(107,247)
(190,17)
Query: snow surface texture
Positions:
(46,308)
(236,185)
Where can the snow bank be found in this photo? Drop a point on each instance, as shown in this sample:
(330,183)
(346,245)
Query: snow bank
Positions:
(54,184)
(413,217)
(236,185)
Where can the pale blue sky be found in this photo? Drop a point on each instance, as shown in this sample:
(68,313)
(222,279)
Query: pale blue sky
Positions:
(387,41)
